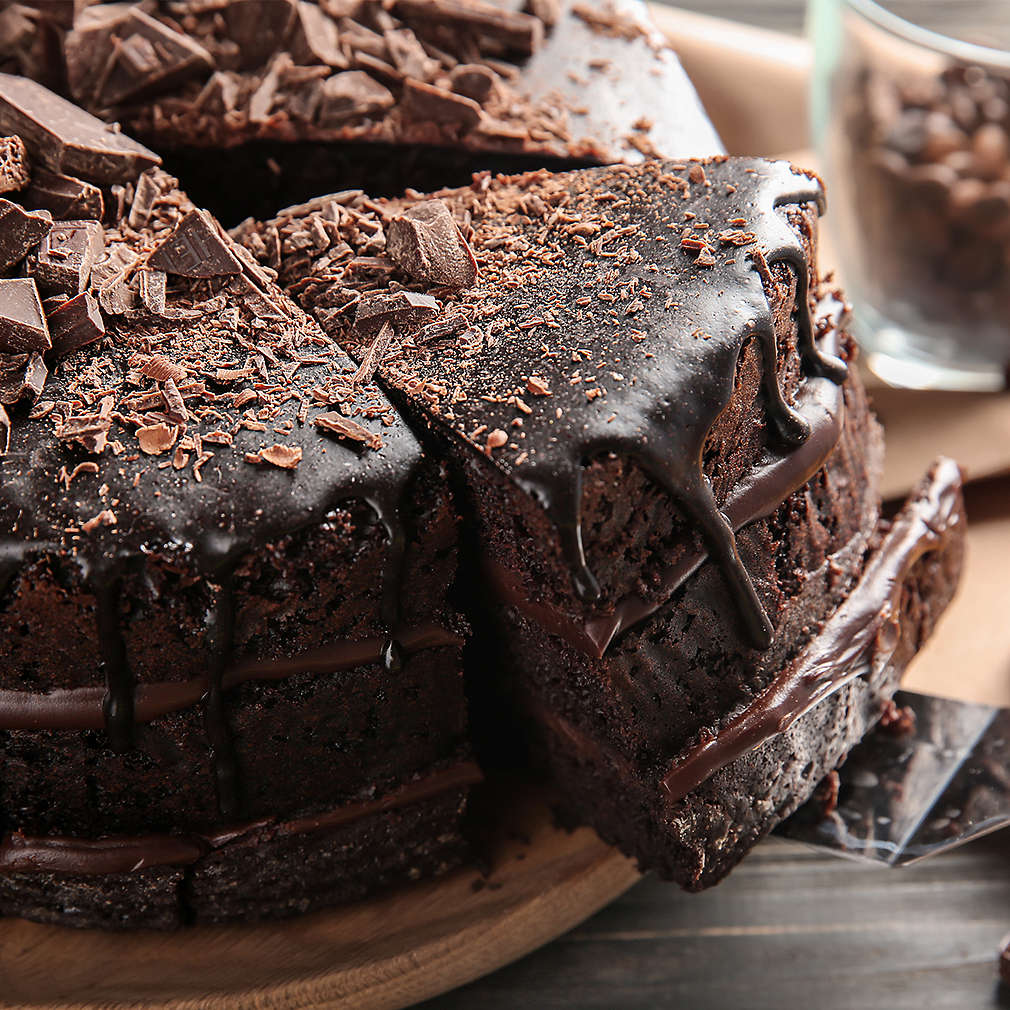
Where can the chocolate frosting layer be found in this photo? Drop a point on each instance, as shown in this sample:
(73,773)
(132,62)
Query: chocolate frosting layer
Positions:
(861,633)
(21,853)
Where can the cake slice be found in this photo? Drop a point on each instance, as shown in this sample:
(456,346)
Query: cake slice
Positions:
(293,95)
(231,677)
(692,605)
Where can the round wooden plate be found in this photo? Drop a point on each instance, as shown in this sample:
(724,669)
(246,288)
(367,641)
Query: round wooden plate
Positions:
(388,952)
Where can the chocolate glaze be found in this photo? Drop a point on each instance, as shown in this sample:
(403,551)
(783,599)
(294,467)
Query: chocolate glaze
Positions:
(677,355)
(21,853)
(820,408)
(862,630)
(84,708)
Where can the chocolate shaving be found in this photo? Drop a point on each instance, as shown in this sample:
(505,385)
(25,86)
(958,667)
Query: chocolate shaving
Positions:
(175,405)
(400,308)
(64,196)
(287,457)
(344,427)
(159,368)
(152,290)
(89,430)
(155,439)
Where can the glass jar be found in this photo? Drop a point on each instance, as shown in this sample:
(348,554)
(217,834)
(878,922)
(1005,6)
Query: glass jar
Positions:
(913,131)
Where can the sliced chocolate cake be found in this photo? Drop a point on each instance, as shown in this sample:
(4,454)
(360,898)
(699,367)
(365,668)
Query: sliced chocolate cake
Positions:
(383,95)
(671,470)
(231,680)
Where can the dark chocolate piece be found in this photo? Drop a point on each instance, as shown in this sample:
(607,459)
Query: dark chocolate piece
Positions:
(91,431)
(473,80)
(23,326)
(65,197)
(315,38)
(401,308)
(425,102)
(258,28)
(519,32)
(22,377)
(20,232)
(67,139)
(352,95)
(197,248)
(76,323)
(134,55)
(426,244)
(14,174)
(66,255)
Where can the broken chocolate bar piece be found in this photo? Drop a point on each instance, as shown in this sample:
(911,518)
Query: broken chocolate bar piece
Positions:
(20,232)
(257,28)
(141,56)
(352,95)
(23,325)
(67,139)
(65,197)
(22,377)
(76,323)
(425,102)
(66,256)
(401,308)
(425,243)
(197,248)
(521,33)
(14,174)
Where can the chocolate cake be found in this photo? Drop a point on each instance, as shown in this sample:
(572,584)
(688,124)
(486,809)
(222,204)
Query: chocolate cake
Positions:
(568,466)
(293,95)
(231,676)
(624,367)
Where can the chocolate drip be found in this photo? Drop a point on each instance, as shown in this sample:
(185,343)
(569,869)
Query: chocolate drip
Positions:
(118,701)
(21,853)
(861,634)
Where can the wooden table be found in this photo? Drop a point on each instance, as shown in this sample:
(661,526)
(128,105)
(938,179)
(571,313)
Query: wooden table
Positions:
(791,927)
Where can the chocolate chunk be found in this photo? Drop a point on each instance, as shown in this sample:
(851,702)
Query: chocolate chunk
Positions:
(258,28)
(121,55)
(66,255)
(67,139)
(425,243)
(14,174)
(152,290)
(402,308)
(315,38)
(22,377)
(197,248)
(75,324)
(344,427)
(373,356)
(520,32)
(22,323)
(352,94)
(426,102)
(89,430)
(65,197)
(20,233)
(473,80)
(286,457)
(408,55)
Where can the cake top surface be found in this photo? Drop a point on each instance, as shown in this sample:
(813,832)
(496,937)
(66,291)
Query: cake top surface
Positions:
(161,389)
(603,310)
(564,79)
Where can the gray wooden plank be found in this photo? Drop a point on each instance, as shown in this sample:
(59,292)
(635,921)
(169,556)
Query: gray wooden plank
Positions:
(790,928)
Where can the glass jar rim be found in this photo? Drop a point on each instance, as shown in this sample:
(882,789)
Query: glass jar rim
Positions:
(909,31)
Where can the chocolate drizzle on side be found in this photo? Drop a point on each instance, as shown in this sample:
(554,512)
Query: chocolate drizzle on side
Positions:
(861,634)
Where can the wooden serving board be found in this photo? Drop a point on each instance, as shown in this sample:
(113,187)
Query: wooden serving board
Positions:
(380,954)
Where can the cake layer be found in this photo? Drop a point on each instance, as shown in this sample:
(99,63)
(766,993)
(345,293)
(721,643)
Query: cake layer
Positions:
(225,561)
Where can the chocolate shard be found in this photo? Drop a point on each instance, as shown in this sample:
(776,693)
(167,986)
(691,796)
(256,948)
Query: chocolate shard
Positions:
(111,278)
(473,80)
(258,28)
(121,56)
(22,377)
(519,32)
(315,38)
(352,94)
(14,173)
(89,430)
(75,324)
(344,427)
(66,255)
(408,55)
(65,197)
(401,308)
(23,325)
(67,139)
(20,232)
(197,248)
(425,102)
(425,243)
